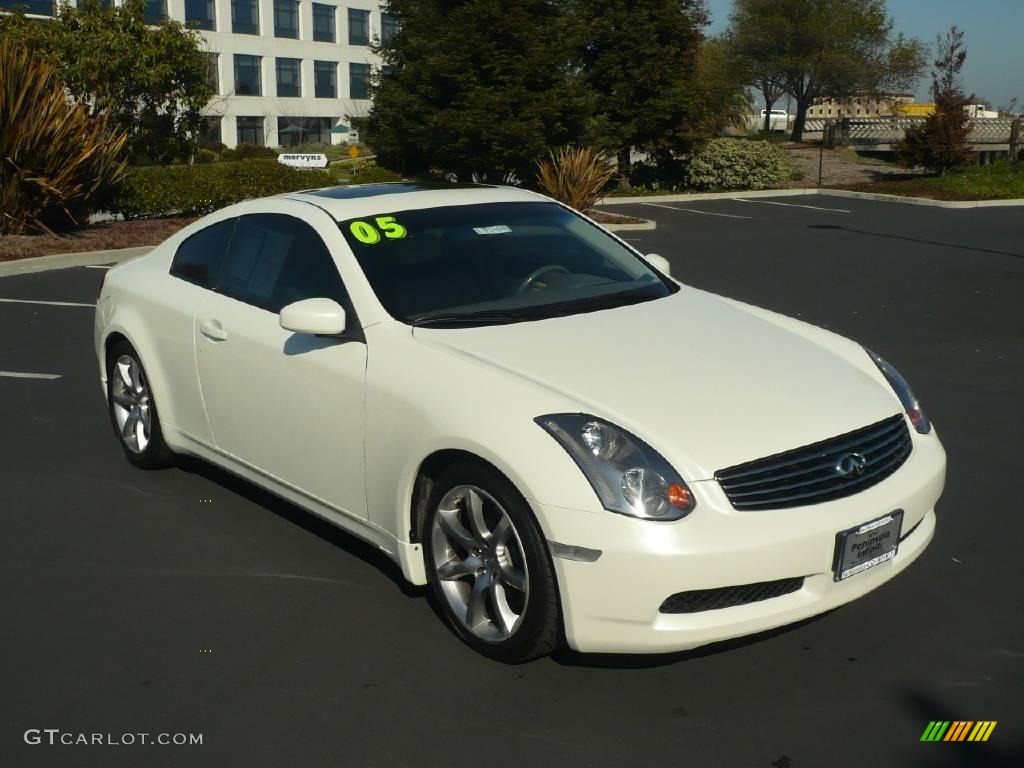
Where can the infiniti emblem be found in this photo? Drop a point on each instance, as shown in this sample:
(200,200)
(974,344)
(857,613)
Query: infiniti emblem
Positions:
(851,465)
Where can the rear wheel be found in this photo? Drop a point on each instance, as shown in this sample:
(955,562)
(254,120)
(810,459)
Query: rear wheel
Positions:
(133,411)
(488,566)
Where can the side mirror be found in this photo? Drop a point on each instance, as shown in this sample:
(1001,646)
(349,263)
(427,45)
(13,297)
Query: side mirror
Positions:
(660,263)
(314,316)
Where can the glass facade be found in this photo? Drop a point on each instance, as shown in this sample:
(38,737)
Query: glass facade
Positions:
(214,72)
(38,7)
(316,130)
(250,130)
(289,77)
(325,79)
(248,81)
(359,81)
(286,18)
(388,27)
(358,27)
(245,17)
(209,132)
(200,14)
(156,11)
(323,23)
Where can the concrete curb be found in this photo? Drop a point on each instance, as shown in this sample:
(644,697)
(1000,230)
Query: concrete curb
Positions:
(647,224)
(682,198)
(879,196)
(65,260)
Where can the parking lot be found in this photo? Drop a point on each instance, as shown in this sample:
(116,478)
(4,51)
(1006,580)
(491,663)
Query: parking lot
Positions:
(189,601)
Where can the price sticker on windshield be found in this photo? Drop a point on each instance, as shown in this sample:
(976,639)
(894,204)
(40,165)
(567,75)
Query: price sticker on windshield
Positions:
(368,234)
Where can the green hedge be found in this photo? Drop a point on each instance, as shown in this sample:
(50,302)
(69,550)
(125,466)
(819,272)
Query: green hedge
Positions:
(722,165)
(189,190)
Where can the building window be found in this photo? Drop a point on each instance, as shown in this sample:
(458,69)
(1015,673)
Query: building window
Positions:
(323,23)
(286,18)
(325,79)
(314,130)
(245,17)
(289,78)
(250,130)
(358,27)
(209,132)
(388,28)
(156,11)
(359,81)
(248,81)
(200,14)
(387,70)
(213,58)
(38,7)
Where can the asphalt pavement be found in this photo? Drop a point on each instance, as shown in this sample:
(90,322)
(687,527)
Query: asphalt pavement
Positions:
(186,601)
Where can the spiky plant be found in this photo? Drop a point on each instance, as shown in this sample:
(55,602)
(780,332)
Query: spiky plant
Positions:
(575,176)
(56,161)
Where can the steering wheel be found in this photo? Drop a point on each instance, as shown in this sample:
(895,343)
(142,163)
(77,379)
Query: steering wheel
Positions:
(538,272)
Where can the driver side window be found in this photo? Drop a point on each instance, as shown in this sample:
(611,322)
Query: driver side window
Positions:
(275,260)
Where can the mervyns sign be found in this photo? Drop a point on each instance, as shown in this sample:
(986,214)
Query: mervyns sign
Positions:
(303,160)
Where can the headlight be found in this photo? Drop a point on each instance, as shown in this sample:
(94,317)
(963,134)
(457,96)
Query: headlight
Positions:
(903,392)
(627,475)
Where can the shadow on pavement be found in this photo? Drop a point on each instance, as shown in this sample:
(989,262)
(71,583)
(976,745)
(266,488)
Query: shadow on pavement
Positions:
(916,240)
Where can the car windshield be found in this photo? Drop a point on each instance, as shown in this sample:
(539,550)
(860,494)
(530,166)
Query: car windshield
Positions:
(496,263)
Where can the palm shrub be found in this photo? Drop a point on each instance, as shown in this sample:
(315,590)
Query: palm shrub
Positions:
(576,176)
(56,162)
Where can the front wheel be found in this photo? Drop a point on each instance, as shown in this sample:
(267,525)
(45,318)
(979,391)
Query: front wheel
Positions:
(488,566)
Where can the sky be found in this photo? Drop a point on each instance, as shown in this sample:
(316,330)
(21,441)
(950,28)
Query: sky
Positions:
(994,35)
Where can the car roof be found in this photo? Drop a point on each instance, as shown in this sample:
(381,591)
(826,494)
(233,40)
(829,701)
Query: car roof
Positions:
(353,201)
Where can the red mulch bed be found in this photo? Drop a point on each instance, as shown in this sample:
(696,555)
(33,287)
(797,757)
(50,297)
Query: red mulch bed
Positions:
(98,237)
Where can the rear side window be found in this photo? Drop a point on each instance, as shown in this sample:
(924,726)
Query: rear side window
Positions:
(274,260)
(200,257)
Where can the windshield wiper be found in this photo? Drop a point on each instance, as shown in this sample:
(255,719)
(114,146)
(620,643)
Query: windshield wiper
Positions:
(487,317)
(595,303)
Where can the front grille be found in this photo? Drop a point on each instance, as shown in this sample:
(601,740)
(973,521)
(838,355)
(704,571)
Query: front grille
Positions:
(809,475)
(698,600)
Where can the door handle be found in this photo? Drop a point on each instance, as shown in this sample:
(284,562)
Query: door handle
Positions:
(212,329)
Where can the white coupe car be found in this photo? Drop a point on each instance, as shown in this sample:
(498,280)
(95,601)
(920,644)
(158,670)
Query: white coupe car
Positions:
(527,414)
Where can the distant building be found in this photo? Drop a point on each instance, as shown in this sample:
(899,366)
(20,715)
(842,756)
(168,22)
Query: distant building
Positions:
(858,106)
(976,111)
(292,66)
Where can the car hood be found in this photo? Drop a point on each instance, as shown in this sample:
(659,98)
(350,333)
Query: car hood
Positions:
(704,381)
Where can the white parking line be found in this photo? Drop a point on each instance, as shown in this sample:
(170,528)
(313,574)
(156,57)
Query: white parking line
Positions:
(47,303)
(694,210)
(98,266)
(16,375)
(789,205)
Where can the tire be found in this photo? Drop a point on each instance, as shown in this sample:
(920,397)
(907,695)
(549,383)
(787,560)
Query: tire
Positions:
(490,572)
(132,409)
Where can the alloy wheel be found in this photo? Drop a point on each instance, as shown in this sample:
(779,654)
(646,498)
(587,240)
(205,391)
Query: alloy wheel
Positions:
(132,404)
(479,563)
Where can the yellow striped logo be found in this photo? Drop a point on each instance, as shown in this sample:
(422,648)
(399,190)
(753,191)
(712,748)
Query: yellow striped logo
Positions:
(958,730)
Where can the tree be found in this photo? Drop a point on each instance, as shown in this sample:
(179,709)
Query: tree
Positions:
(941,142)
(641,59)
(151,83)
(476,89)
(755,54)
(834,48)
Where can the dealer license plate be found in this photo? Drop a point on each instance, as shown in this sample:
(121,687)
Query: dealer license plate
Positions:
(867,545)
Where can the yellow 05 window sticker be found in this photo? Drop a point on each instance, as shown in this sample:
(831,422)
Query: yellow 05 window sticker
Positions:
(367,233)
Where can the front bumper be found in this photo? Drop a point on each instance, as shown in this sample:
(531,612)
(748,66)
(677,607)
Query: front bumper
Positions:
(612,605)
